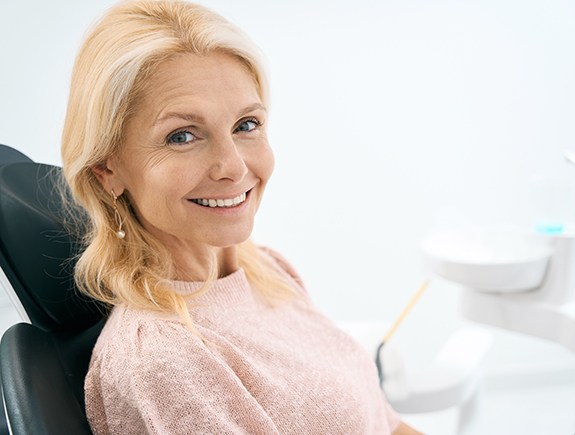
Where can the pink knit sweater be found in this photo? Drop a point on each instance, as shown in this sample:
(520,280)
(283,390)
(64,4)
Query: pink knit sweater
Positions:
(259,370)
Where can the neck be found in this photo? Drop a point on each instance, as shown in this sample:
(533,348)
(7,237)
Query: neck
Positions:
(196,266)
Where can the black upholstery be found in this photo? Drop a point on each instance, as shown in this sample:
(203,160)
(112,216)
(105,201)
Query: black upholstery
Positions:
(42,379)
(36,250)
(10,155)
(43,364)
(3,424)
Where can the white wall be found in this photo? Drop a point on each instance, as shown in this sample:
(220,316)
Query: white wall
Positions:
(389,119)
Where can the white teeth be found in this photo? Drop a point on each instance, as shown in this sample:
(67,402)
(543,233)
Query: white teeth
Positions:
(221,202)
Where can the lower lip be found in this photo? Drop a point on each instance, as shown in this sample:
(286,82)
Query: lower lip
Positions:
(225,211)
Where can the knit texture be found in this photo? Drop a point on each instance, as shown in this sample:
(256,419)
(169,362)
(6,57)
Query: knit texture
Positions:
(259,370)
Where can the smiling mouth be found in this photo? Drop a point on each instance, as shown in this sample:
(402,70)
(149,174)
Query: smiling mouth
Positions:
(223,203)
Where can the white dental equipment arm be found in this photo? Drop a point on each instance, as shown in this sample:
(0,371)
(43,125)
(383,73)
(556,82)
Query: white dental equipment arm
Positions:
(520,282)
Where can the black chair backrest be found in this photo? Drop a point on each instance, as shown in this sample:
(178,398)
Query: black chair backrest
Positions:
(42,364)
(37,251)
(10,155)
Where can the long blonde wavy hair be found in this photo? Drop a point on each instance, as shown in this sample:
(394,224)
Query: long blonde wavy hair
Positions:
(110,73)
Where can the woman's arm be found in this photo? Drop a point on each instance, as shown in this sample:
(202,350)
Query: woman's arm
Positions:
(404,429)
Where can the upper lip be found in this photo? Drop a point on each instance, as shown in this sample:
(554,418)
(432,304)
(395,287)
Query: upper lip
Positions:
(226,196)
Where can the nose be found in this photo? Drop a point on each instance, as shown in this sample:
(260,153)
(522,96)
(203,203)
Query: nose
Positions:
(228,162)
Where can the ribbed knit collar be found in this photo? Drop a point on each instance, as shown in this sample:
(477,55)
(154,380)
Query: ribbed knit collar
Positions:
(231,289)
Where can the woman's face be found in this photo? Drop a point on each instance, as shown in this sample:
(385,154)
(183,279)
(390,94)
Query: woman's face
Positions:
(195,158)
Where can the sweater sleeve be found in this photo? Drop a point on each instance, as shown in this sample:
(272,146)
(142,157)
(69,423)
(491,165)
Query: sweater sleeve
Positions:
(157,378)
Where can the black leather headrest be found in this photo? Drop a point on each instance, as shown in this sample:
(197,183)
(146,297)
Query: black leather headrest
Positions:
(37,251)
(10,155)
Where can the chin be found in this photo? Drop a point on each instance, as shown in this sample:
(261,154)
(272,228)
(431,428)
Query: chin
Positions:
(223,240)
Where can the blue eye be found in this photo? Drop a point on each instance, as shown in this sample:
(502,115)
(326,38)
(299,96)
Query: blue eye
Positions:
(181,137)
(248,125)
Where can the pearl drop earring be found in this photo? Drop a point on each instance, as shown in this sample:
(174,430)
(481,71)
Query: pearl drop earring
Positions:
(119,222)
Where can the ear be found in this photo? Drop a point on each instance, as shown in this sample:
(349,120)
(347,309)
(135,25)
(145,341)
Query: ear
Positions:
(108,178)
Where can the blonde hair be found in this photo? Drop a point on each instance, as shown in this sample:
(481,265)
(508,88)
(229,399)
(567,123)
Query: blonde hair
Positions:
(109,75)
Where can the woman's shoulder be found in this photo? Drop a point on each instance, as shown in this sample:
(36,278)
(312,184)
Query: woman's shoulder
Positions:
(148,368)
(131,336)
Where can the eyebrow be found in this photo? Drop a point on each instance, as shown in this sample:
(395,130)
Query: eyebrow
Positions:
(192,117)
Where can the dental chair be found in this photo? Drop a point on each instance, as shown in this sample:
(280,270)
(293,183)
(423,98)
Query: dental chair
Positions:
(43,362)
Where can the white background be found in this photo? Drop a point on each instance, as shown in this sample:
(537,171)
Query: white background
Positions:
(390,119)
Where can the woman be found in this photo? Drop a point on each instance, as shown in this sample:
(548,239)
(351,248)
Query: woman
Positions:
(165,147)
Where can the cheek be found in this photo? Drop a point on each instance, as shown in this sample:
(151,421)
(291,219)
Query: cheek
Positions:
(155,187)
(264,164)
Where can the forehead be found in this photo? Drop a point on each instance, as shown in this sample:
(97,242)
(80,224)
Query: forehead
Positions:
(216,78)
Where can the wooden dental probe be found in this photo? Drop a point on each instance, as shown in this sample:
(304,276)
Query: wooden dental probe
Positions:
(407,309)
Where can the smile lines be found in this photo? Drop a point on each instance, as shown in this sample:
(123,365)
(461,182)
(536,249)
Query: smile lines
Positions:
(221,202)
